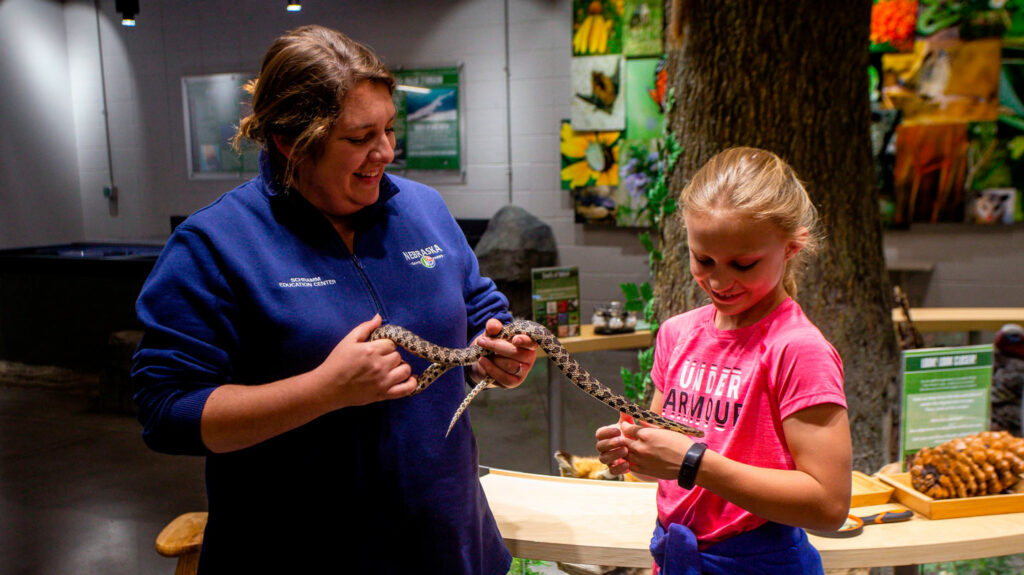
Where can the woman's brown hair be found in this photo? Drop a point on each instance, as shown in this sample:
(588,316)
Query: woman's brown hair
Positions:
(297,97)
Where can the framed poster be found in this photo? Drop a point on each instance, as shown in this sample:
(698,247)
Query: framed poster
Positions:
(428,125)
(213,105)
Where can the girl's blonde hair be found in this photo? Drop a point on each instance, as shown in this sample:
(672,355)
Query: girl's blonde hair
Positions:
(763,187)
(298,95)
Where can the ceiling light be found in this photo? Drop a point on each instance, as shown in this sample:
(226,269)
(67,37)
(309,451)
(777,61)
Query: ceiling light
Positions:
(127,9)
(414,89)
(294,6)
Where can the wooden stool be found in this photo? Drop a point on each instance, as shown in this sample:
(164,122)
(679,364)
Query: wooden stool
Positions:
(182,538)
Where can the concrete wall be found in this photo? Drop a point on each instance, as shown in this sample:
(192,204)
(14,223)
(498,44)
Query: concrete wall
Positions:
(53,158)
(954,265)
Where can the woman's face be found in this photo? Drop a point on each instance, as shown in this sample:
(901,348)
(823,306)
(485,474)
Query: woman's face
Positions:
(740,263)
(346,177)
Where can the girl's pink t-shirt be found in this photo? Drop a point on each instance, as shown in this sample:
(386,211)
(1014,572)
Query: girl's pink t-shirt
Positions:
(737,386)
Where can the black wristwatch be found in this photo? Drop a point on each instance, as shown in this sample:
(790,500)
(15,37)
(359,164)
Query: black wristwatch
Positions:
(691,463)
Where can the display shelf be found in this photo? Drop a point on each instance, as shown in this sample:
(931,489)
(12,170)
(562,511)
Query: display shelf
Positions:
(951,508)
(868,490)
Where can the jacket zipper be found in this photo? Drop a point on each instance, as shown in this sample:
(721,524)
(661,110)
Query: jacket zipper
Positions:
(369,287)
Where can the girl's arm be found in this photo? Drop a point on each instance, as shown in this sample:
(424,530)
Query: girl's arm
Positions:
(815,495)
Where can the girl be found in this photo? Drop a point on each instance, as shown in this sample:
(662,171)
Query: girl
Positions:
(756,375)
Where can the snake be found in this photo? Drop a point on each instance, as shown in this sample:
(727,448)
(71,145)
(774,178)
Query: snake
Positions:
(445,358)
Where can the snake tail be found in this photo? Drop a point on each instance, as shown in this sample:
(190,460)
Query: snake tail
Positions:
(465,402)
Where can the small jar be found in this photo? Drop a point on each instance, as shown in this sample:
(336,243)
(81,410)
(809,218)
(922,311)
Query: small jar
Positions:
(612,317)
(631,319)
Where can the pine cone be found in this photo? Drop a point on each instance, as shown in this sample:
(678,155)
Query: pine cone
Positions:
(985,463)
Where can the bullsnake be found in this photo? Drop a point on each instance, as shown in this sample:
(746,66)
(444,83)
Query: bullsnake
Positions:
(445,358)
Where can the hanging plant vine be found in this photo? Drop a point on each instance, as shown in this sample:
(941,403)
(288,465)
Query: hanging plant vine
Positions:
(639,298)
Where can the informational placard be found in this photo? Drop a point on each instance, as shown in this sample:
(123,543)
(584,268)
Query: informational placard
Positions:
(556,299)
(945,395)
(214,105)
(427,122)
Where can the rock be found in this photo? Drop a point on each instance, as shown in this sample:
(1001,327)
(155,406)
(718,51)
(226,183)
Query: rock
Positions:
(514,243)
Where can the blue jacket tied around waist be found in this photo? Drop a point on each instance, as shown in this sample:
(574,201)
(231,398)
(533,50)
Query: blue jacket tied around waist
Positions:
(771,549)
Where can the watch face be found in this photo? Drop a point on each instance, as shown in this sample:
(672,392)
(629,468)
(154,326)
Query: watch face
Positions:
(690,465)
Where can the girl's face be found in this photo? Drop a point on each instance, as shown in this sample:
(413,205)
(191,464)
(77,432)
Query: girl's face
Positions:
(740,263)
(346,177)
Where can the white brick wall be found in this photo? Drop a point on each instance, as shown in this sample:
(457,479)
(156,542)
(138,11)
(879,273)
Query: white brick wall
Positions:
(39,200)
(53,163)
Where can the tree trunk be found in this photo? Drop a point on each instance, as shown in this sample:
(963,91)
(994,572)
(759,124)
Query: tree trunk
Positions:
(791,76)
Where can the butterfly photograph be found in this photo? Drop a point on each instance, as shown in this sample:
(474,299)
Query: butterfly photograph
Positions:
(597,86)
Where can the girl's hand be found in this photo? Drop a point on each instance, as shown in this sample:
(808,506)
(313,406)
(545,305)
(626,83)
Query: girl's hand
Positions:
(612,447)
(652,451)
(512,360)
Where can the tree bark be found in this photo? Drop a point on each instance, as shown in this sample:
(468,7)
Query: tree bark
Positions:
(791,76)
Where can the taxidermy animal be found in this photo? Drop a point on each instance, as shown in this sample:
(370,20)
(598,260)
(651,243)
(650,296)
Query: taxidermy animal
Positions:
(1008,379)
(604,90)
(993,206)
(570,465)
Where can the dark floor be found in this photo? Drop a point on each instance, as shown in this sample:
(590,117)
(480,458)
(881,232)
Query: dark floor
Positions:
(81,494)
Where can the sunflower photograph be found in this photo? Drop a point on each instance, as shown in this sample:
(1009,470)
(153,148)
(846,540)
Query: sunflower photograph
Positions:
(590,169)
(597,27)
(589,158)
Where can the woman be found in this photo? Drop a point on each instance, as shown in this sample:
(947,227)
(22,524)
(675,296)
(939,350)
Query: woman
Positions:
(256,351)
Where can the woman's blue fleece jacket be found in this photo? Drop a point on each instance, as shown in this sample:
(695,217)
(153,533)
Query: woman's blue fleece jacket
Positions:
(259,287)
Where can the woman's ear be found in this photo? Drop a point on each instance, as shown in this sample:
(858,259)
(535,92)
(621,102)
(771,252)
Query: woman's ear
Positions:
(283,145)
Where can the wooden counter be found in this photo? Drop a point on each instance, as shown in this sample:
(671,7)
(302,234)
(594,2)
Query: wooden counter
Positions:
(610,523)
(574,520)
(927,319)
(961,318)
(590,341)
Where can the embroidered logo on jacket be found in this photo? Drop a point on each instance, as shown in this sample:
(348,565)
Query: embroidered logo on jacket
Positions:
(306,282)
(426,257)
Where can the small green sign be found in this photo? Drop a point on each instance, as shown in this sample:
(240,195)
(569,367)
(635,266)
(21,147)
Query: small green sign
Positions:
(945,395)
(556,299)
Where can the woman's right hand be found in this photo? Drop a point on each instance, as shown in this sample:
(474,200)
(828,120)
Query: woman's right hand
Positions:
(358,371)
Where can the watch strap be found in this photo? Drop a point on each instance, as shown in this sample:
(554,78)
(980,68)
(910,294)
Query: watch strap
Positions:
(691,464)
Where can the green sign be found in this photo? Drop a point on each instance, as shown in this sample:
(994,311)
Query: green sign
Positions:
(945,395)
(556,299)
(427,121)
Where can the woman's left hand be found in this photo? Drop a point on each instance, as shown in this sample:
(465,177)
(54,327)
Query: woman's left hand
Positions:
(512,360)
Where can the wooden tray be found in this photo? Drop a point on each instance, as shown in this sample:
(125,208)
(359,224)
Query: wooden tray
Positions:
(869,491)
(950,508)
